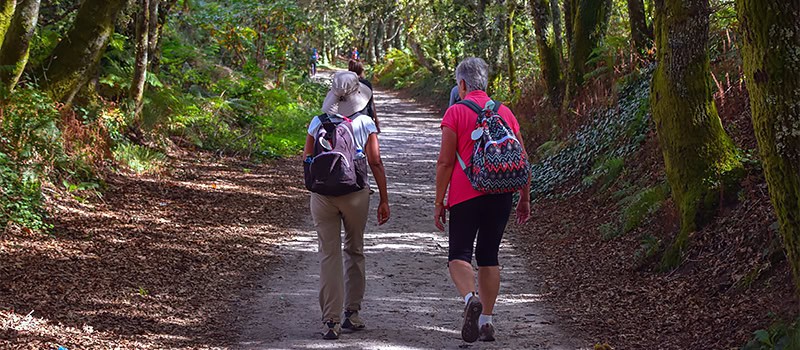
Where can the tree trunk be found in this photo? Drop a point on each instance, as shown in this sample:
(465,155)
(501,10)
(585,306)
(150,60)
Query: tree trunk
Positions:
(162,10)
(771,35)
(548,53)
(700,158)
(6,14)
(512,67)
(14,51)
(641,34)
(590,21)
(495,40)
(372,51)
(569,23)
(140,67)
(421,57)
(75,57)
(153,33)
(555,17)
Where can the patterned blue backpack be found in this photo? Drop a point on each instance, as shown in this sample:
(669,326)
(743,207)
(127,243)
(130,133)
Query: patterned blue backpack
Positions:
(499,163)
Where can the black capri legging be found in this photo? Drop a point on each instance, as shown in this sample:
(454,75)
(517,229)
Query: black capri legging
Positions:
(485,216)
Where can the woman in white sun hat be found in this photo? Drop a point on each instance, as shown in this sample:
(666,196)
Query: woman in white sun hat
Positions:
(343,291)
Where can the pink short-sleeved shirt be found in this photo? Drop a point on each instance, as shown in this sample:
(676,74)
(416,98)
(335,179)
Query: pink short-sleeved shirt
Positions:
(461,119)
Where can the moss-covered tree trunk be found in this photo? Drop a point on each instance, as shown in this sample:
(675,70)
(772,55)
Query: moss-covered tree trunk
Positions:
(771,36)
(16,46)
(546,43)
(569,23)
(589,24)
(555,15)
(75,57)
(700,158)
(158,16)
(140,65)
(6,13)
(641,33)
(510,49)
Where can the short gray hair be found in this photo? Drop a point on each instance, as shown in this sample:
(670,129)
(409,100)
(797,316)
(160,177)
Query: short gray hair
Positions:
(475,72)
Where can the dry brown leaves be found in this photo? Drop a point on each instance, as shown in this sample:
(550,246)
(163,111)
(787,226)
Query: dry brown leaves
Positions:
(160,262)
(715,300)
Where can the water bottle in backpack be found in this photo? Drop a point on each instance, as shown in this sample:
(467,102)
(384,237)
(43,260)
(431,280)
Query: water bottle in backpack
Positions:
(337,166)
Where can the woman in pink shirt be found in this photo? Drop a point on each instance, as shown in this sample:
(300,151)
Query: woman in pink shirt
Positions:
(473,213)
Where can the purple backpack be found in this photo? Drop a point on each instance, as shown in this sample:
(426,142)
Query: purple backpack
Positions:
(338,166)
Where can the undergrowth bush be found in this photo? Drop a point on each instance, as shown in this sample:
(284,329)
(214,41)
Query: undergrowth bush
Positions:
(140,159)
(30,144)
(780,336)
(613,133)
(401,71)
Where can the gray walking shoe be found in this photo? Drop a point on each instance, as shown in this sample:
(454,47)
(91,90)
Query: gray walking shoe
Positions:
(331,330)
(487,332)
(472,311)
(353,321)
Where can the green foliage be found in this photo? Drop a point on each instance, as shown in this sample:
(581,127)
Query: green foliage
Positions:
(637,208)
(779,336)
(400,70)
(605,171)
(642,205)
(613,134)
(649,246)
(549,148)
(29,146)
(139,159)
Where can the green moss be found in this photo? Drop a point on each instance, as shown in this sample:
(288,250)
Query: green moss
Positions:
(14,53)
(700,159)
(549,57)
(589,26)
(6,13)
(71,62)
(772,68)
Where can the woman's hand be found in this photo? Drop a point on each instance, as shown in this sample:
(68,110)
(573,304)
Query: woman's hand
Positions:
(383,213)
(440,215)
(523,211)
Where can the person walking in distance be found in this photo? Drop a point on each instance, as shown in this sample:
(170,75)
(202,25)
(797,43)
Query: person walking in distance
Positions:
(340,144)
(483,138)
(314,60)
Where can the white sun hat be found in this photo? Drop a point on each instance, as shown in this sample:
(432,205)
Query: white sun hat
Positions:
(347,95)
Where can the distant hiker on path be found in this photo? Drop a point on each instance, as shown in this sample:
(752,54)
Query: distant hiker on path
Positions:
(483,137)
(314,60)
(356,67)
(336,174)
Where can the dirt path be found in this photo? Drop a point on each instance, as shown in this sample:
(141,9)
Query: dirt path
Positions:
(410,301)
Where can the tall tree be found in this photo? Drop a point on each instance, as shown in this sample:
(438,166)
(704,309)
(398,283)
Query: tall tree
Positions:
(700,158)
(771,35)
(641,33)
(548,47)
(510,49)
(555,16)
(142,50)
(569,23)
(16,46)
(589,24)
(6,13)
(75,58)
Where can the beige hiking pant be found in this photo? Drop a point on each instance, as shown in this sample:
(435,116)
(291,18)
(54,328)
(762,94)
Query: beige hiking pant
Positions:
(340,288)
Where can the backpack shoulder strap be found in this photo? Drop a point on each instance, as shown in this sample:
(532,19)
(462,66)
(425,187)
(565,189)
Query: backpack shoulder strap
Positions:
(472,105)
(496,107)
(324,118)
